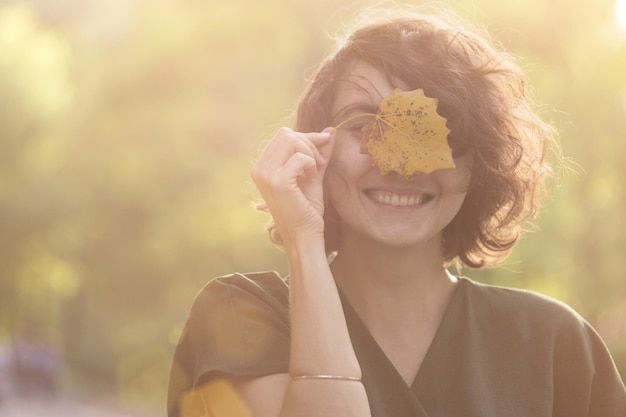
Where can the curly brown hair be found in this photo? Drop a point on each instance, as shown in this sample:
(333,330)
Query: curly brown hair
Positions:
(484,97)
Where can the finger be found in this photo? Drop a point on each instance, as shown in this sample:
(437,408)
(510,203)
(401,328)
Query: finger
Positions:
(326,148)
(285,143)
(283,161)
(319,138)
(323,143)
(325,152)
(298,165)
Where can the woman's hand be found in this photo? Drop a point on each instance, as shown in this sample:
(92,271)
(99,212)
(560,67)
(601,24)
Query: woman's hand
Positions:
(290,175)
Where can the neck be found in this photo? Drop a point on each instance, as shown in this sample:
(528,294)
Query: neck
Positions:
(386,283)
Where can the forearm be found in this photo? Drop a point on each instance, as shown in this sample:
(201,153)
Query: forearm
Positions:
(321,398)
(320,342)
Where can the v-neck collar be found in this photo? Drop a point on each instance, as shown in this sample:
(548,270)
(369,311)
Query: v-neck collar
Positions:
(387,391)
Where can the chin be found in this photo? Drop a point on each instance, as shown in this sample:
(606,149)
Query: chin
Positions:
(415,241)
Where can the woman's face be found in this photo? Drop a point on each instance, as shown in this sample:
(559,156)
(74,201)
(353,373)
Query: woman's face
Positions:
(389,209)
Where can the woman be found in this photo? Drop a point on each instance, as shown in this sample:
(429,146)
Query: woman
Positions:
(384,329)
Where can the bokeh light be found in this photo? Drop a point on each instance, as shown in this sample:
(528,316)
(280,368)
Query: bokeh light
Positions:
(620,13)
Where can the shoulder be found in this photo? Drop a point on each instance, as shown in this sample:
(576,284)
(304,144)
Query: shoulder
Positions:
(262,287)
(528,321)
(240,304)
(239,324)
(541,333)
(515,305)
(524,346)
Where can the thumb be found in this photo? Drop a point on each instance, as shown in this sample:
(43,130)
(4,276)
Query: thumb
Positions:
(326,150)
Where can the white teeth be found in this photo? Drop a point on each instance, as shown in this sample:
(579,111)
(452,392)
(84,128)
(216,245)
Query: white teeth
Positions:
(397,199)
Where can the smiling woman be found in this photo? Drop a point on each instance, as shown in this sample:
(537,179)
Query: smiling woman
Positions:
(382,328)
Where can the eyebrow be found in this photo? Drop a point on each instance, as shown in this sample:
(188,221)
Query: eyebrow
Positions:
(358,107)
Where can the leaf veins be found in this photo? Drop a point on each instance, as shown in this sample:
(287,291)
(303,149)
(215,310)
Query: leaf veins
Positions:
(406,135)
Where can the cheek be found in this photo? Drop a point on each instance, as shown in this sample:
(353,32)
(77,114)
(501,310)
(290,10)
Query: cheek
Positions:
(340,180)
(348,146)
(457,180)
(335,181)
(347,163)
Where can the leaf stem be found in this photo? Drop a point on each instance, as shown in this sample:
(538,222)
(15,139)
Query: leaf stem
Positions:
(351,118)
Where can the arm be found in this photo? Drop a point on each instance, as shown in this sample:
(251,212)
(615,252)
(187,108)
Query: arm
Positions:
(289,175)
(320,343)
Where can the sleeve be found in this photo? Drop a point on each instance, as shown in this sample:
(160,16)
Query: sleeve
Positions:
(586,380)
(237,325)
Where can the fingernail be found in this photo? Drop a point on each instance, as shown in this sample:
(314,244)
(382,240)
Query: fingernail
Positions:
(324,135)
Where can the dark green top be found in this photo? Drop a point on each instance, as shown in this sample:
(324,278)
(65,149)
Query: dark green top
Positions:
(498,352)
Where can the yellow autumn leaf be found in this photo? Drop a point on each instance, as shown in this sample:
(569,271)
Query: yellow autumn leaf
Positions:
(407,135)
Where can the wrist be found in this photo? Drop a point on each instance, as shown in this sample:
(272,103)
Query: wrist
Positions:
(308,246)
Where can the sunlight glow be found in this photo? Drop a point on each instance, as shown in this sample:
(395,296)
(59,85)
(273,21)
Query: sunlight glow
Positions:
(620,13)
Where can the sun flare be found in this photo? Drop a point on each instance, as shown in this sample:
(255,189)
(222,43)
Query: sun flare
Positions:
(620,13)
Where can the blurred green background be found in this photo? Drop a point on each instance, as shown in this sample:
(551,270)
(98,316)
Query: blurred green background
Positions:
(128,128)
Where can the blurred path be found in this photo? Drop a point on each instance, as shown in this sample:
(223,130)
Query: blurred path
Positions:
(63,407)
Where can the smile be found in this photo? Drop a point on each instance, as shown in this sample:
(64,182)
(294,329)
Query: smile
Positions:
(392,199)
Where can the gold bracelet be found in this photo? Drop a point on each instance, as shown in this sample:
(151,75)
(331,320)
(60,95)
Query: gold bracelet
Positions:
(335,377)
